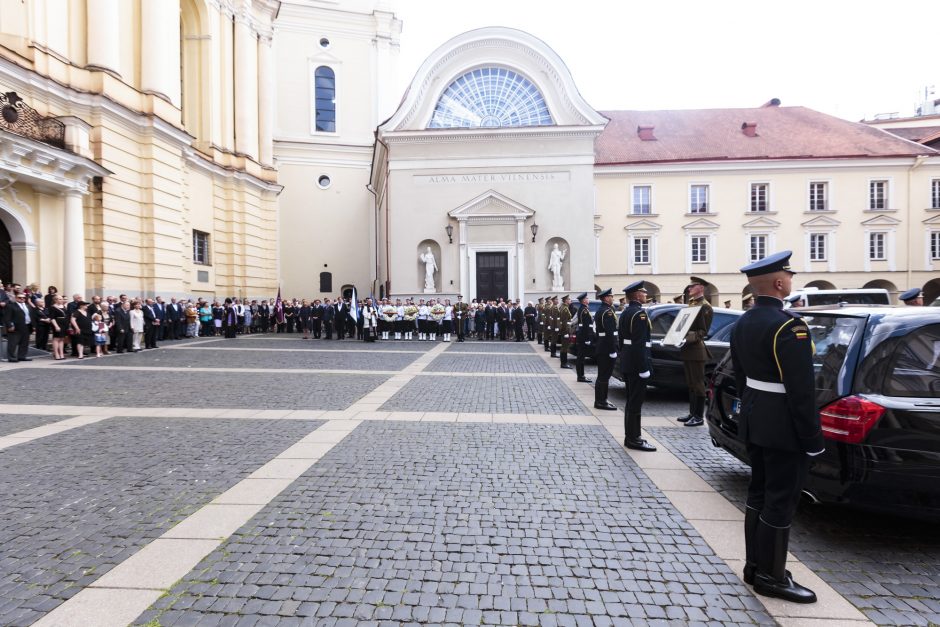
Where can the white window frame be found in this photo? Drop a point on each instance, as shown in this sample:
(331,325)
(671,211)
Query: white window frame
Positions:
(313,64)
(693,210)
(824,238)
(935,193)
(826,200)
(751,239)
(888,194)
(872,236)
(704,243)
(933,245)
(767,201)
(208,248)
(633,191)
(637,259)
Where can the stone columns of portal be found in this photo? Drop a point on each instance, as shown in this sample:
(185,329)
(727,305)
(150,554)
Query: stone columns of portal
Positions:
(104,35)
(159,49)
(246,88)
(266,101)
(74,244)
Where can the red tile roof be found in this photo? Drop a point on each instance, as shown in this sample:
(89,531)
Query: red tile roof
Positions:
(718,135)
(915,133)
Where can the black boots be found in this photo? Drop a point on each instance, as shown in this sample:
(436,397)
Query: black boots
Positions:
(751,518)
(691,409)
(698,412)
(564,361)
(771,578)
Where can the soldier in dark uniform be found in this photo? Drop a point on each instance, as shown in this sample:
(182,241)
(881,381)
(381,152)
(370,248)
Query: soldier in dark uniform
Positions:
(605,324)
(635,363)
(694,353)
(585,336)
(772,352)
(540,319)
(913,297)
(564,318)
(551,325)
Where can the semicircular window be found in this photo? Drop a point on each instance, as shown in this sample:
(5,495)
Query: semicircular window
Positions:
(490,97)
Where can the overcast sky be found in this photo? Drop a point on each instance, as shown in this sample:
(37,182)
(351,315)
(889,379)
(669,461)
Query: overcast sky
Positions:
(853,59)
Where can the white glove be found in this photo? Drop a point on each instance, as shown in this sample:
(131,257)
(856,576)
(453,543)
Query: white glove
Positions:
(645,375)
(587,343)
(816,453)
(613,355)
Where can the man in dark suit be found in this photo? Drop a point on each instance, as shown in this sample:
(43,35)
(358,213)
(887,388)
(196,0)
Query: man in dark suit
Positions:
(772,353)
(123,337)
(70,309)
(159,310)
(340,313)
(172,319)
(16,320)
(490,313)
(150,324)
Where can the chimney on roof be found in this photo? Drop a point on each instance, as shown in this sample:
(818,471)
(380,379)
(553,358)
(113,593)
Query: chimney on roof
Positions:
(749,129)
(773,102)
(646,133)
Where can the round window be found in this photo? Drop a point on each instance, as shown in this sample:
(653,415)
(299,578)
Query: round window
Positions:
(324,42)
(324,181)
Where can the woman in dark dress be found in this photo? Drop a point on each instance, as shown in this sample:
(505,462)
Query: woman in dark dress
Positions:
(304,316)
(218,312)
(229,320)
(59,322)
(81,325)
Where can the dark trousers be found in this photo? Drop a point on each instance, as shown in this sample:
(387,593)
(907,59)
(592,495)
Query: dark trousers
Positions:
(579,362)
(530,328)
(777,478)
(490,327)
(519,335)
(17,345)
(169,330)
(317,325)
(694,376)
(502,330)
(42,336)
(605,367)
(459,322)
(150,336)
(636,394)
(328,329)
(122,341)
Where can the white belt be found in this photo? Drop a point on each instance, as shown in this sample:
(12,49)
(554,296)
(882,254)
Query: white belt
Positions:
(630,343)
(766,386)
(605,335)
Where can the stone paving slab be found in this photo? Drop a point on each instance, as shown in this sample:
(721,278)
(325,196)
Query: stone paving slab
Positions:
(14,423)
(527,364)
(169,388)
(294,342)
(887,567)
(492,395)
(211,357)
(76,504)
(434,523)
(491,346)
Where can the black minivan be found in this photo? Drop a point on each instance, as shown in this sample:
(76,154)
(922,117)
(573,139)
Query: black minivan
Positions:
(878,393)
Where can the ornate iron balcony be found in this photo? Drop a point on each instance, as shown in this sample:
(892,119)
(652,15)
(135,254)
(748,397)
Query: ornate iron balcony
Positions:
(18,117)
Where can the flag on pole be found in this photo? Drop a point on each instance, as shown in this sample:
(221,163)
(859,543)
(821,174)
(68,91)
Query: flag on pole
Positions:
(279,308)
(354,306)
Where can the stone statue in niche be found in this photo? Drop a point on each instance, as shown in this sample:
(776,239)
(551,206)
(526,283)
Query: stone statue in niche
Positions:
(430,267)
(555,261)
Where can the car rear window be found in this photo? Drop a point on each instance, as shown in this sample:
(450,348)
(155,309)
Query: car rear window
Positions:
(861,298)
(908,365)
(832,336)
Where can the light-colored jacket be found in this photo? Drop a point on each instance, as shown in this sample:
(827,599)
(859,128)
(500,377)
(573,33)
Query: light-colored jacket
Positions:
(137,320)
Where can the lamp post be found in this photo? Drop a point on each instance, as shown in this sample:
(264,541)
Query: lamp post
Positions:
(450,233)
(535,229)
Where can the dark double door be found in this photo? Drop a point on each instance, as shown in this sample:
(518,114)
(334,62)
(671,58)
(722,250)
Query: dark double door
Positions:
(492,276)
(6,255)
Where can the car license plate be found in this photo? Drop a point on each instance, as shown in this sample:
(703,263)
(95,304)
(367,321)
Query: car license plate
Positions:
(736,406)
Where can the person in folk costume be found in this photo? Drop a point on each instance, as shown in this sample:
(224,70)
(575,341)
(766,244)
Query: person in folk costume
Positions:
(370,321)
(399,324)
(447,324)
(423,312)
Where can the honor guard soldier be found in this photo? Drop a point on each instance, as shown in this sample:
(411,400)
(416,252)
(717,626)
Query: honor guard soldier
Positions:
(635,363)
(913,297)
(605,324)
(540,320)
(694,353)
(564,320)
(585,335)
(772,353)
(551,325)
(461,311)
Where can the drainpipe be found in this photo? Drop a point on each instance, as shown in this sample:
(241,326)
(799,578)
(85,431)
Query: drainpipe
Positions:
(918,161)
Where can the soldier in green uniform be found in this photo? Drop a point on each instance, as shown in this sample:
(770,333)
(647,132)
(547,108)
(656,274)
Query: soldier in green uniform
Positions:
(564,318)
(461,311)
(694,353)
(540,317)
(551,325)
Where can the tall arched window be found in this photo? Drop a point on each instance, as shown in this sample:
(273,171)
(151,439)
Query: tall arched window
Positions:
(325,93)
(490,97)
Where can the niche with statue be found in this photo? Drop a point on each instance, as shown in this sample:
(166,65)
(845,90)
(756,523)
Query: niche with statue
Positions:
(429,267)
(558,263)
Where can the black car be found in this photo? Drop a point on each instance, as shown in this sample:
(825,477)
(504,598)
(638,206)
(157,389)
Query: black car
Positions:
(667,367)
(878,393)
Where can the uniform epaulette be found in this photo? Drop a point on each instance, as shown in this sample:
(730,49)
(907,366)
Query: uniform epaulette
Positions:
(793,314)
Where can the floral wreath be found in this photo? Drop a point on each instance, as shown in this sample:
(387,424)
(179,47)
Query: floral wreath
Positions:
(437,312)
(389,313)
(410,312)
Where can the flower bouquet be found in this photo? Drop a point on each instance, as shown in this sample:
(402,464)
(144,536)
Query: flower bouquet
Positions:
(437,312)
(410,312)
(389,313)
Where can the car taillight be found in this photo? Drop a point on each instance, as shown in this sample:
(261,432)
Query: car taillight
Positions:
(850,419)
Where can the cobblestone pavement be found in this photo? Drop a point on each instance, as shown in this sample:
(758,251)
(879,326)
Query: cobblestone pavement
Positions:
(428,523)
(887,567)
(10,423)
(528,364)
(491,346)
(209,357)
(295,342)
(115,388)
(77,503)
(487,395)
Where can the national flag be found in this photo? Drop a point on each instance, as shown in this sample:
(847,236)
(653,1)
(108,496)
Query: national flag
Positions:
(353,306)
(279,308)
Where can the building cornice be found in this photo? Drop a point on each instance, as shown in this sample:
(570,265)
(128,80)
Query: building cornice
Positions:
(790,165)
(430,136)
(45,167)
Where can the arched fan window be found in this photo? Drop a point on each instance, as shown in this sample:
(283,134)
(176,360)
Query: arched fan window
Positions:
(490,97)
